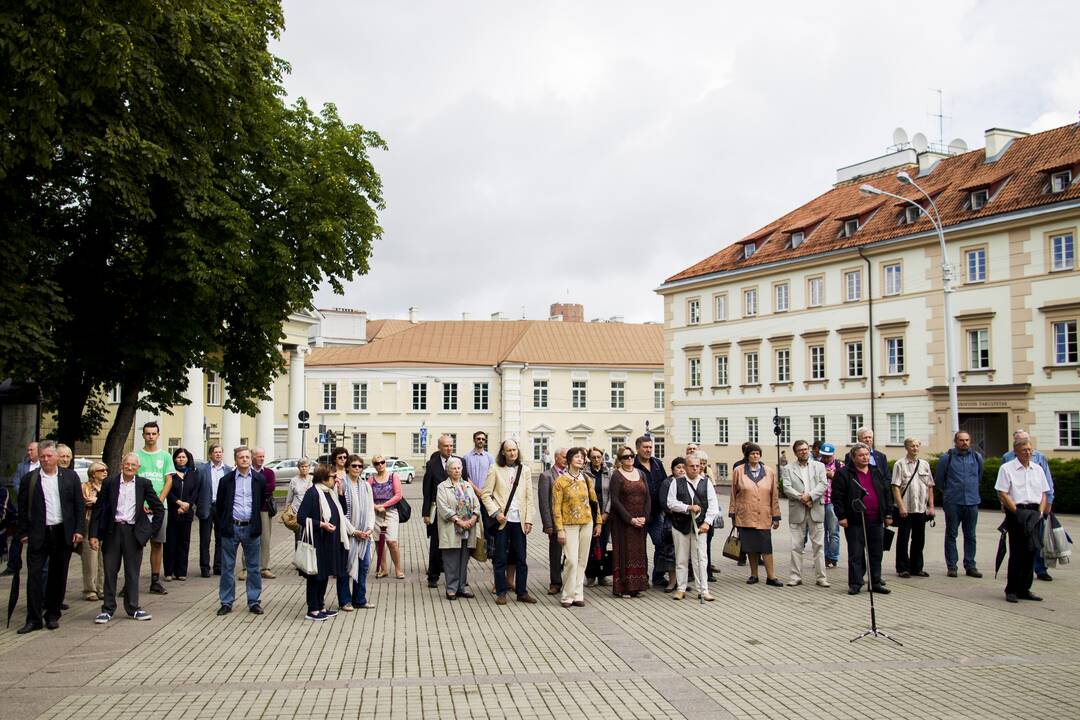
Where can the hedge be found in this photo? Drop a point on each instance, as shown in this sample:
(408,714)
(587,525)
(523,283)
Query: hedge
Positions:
(1066,474)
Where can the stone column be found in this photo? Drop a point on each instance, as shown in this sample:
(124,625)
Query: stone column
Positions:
(230,431)
(194,437)
(296,399)
(264,428)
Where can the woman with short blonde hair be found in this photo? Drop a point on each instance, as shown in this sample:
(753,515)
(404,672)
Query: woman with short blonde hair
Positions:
(93,569)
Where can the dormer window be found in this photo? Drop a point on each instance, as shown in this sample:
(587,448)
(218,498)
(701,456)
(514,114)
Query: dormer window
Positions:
(1060,181)
(912,215)
(850,227)
(797,238)
(979,198)
(748,249)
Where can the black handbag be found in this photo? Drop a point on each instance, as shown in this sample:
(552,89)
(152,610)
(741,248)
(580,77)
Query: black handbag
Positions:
(404,510)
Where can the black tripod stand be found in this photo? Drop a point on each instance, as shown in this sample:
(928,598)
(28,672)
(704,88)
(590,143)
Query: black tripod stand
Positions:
(861,507)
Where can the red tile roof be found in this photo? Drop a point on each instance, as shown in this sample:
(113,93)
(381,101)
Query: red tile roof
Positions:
(1025,165)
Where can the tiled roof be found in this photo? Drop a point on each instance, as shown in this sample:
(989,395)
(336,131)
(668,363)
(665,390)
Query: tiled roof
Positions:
(385,328)
(487,343)
(1023,170)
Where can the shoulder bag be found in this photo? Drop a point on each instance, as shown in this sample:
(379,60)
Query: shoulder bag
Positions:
(493,525)
(288,518)
(732,546)
(304,558)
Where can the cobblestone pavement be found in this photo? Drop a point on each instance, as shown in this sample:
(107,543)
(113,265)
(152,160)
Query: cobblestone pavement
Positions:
(757,652)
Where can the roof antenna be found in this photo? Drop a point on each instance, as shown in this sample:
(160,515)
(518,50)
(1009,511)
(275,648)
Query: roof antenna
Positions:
(940,115)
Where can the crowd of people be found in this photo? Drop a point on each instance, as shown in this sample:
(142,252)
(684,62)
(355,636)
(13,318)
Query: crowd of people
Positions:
(598,520)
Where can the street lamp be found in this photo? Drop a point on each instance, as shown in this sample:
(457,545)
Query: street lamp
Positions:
(946,285)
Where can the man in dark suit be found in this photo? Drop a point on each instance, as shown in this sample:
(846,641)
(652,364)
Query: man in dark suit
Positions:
(434,474)
(857,490)
(121,528)
(543,491)
(51,522)
(240,497)
(210,474)
(877,458)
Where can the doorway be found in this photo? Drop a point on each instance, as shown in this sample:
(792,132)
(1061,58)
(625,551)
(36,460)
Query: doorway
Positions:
(989,432)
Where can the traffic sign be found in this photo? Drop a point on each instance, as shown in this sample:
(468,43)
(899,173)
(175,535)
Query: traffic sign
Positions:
(303,416)
(303,425)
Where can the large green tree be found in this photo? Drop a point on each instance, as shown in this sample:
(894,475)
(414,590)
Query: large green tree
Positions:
(161,205)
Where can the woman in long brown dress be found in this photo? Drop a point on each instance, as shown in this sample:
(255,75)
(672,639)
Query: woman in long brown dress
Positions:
(629,509)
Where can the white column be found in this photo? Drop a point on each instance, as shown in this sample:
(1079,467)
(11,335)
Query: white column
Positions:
(194,438)
(230,431)
(296,399)
(264,427)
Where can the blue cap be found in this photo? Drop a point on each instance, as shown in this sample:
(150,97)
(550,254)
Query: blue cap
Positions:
(827,449)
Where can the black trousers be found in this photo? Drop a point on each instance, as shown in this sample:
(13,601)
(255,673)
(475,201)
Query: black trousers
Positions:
(122,546)
(178,544)
(45,595)
(316,593)
(1021,557)
(856,550)
(555,559)
(510,543)
(205,528)
(434,562)
(911,537)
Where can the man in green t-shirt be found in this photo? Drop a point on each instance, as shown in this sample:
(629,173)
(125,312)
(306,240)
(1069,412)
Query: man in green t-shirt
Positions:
(156,466)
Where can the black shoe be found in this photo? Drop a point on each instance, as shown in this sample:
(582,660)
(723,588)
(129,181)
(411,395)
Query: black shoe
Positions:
(1011,597)
(432,583)
(1044,576)
(256,609)
(158,589)
(774,582)
(741,563)
(65,606)
(7,572)
(854,589)
(882,590)
(973,572)
(224,610)
(951,572)
(1028,595)
(752,580)
(712,578)
(217,571)
(28,627)
(53,624)
(205,573)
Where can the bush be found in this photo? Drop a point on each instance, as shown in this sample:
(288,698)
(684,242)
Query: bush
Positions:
(1066,475)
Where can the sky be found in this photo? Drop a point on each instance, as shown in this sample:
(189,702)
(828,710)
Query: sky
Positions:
(585,151)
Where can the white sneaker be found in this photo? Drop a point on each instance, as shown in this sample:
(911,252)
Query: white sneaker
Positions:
(102,618)
(794,582)
(140,615)
(823,583)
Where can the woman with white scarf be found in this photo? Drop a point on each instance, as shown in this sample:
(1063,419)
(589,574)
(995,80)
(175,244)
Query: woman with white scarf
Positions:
(359,507)
(458,511)
(331,536)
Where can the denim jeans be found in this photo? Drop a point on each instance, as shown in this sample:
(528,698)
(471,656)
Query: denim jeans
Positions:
(350,592)
(832,534)
(241,537)
(957,516)
(510,542)
(655,528)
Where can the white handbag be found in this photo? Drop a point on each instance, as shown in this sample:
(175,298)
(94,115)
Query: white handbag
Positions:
(304,558)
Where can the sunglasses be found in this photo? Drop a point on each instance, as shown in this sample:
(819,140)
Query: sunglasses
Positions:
(358,465)
(625,457)
(379,462)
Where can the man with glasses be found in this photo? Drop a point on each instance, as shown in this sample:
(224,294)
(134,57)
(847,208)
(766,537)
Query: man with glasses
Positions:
(210,474)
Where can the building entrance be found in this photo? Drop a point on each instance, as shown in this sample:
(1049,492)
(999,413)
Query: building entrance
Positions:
(989,432)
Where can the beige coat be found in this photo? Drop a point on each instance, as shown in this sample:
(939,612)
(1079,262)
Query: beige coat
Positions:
(445,503)
(497,489)
(754,504)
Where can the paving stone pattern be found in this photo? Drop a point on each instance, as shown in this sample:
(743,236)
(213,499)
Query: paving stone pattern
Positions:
(757,652)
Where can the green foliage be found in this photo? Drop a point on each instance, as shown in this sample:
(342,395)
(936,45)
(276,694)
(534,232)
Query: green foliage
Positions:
(1066,475)
(161,205)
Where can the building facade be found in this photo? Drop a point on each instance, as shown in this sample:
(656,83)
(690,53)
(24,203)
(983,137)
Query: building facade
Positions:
(832,316)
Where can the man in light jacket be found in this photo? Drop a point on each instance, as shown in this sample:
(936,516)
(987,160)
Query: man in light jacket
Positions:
(805,484)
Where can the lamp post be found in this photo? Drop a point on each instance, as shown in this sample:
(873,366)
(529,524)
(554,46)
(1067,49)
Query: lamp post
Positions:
(946,285)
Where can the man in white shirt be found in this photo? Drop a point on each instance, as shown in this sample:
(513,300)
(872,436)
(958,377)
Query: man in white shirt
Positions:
(210,475)
(804,484)
(1022,488)
(693,505)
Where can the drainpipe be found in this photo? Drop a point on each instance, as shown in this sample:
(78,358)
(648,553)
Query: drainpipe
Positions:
(870,331)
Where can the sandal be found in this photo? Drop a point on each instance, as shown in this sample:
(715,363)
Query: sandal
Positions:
(381,573)
(400,576)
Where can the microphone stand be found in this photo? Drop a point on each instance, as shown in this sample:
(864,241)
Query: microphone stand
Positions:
(859,505)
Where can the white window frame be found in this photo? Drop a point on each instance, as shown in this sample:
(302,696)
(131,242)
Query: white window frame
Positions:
(417,446)
(481,396)
(1063,334)
(695,430)
(618,394)
(539,446)
(797,238)
(894,282)
(359,396)
(114,395)
(419,396)
(783,297)
(753,368)
(359,443)
(721,367)
(851,226)
(896,428)
(541,399)
(693,311)
(658,394)
(817,428)
(978,199)
(976,274)
(854,423)
(818,368)
(853,285)
(753,430)
(1066,258)
(853,354)
(1068,429)
(1060,181)
(450,396)
(750,302)
(816,291)
(616,442)
(785,430)
(912,214)
(329,393)
(659,447)
(579,394)
(693,372)
(783,365)
(978,345)
(748,249)
(720,313)
(213,389)
(722,431)
(895,362)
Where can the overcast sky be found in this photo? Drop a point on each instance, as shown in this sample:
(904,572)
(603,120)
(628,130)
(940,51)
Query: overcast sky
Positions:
(584,151)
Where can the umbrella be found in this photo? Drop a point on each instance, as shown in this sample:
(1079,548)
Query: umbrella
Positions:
(1002,547)
(13,598)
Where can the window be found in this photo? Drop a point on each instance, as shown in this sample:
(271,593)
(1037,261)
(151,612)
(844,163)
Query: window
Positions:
(816,291)
(540,447)
(417,446)
(329,396)
(854,359)
(578,395)
(720,308)
(817,362)
(617,441)
(748,249)
(1060,181)
(658,446)
(783,365)
(750,302)
(540,393)
(359,396)
(893,284)
(1069,429)
(785,431)
(979,349)
(721,470)
(752,429)
(1065,351)
(722,370)
(1062,252)
(797,238)
(449,396)
(782,297)
(658,395)
(480,396)
(975,265)
(979,198)
(693,311)
(851,226)
(419,396)
(854,423)
(911,214)
(213,389)
(695,430)
(752,368)
(853,285)
(359,443)
(817,428)
(114,395)
(894,356)
(896,429)
(722,431)
(618,394)
(174,444)
(694,372)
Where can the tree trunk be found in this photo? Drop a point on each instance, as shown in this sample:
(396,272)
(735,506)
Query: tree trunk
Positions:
(121,427)
(69,412)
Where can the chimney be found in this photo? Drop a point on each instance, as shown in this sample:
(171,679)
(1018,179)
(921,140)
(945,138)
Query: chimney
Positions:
(567,312)
(412,315)
(497,316)
(998,140)
(465,316)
